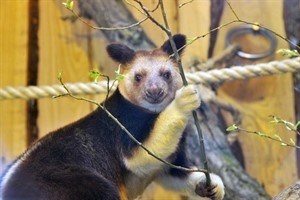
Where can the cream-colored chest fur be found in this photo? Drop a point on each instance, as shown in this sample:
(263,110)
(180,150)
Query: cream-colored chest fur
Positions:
(135,185)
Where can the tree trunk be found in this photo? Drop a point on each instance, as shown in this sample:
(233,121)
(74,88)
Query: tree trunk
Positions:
(113,14)
(238,184)
(292,192)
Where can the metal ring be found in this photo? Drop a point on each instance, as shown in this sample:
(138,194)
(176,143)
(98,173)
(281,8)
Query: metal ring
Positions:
(249,29)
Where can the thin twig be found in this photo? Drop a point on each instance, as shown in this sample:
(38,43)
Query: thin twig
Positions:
(255,24)
(289,125)
(132,5)
(205,34)
(143,13)
(166,29)
(196,120)
(183,4)
(275,33)
(125,129)
(150,17)
(283,143)
(155,8)
(107,88)
(106,28)
(237,20)
(232,10)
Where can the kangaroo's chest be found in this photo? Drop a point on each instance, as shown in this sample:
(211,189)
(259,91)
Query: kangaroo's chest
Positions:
(135,185)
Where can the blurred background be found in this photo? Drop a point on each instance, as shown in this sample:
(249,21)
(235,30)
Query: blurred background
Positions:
(40,38)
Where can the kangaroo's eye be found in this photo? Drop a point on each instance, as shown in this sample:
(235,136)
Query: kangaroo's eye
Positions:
(138,77)
(167,75)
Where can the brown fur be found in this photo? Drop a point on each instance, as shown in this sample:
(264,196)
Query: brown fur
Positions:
(151,65)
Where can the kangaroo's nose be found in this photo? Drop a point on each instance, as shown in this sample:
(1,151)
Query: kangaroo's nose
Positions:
(154,92)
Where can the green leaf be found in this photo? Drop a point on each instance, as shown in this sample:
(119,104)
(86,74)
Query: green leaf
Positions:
(59,76)
(298,124)
(276,136)
(232,128)
(288,52)
(119,76)
(94,74)
(292,142)
(69,4)
(190,40)
(262,134)
(289,125)
(283,144)
(274,121)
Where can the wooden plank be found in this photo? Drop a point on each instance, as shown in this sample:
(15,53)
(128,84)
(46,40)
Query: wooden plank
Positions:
(92,43)
(60,52)
(13,61)
(259,98)
(194,20)
(32,71)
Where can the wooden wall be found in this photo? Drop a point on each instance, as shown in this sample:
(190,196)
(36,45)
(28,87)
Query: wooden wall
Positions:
(13,59)
(257,99)
(73,49)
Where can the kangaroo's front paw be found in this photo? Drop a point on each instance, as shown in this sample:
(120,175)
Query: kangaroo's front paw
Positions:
(187,99)
(215,191)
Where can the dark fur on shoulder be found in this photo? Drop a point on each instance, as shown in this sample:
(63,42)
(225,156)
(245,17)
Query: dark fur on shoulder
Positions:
(82,160)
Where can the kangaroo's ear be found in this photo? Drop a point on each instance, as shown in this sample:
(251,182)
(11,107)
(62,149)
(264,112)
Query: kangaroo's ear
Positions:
(120,53)
(180,41)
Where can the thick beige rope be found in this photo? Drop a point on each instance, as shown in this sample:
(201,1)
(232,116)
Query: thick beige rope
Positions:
(35,92)
(208,77)
(249,71)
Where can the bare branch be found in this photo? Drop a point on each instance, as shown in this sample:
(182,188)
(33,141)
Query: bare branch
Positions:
(237,20)
(105,28)
(236,16)
(256,24)
(166,29)
(132,5)
(274,138)
(146,10)
(195,116)
(183,4)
